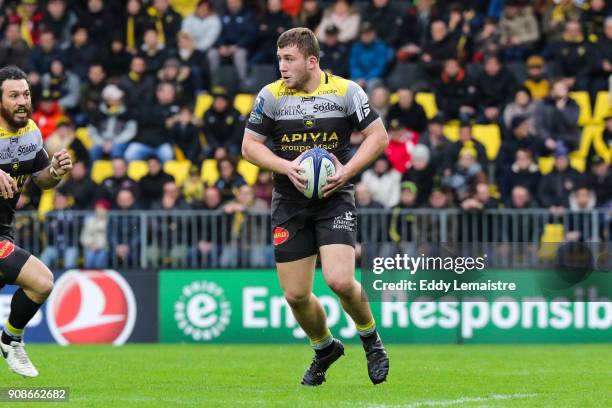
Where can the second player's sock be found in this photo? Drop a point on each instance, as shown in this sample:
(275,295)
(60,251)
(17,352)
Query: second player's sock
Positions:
(22,310)
(367,332)
(324,345)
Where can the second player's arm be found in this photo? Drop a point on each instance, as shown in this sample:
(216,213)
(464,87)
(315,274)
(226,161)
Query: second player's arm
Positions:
(50,176)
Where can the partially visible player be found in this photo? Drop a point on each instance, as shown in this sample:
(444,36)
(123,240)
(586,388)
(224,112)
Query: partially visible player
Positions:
(22,156)
(309,108)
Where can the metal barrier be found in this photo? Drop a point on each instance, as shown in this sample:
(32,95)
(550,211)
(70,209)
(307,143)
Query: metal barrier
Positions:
(213,239)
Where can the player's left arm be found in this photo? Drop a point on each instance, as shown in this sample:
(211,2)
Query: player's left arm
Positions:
(51,175)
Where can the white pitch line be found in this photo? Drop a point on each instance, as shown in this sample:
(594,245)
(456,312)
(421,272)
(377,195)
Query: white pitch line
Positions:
(444,403)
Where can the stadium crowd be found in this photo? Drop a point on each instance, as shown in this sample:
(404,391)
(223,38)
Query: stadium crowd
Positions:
(122,81)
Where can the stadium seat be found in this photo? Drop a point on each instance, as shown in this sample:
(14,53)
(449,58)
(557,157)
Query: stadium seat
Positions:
(546,164)
(137,169)
(586,139)
(100,170)
(244,103)
(584,103)
(83,135)
(210,173)
(602,107)
(262,75)
(553,234)
(599,144)
(405,74)
(203,103)
(178,169)
(451,131)
(46,202)
(428,102)
(490,137)
(248,170)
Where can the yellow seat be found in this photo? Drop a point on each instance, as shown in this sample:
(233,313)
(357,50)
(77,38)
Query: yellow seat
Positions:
(203,102)
(46,202)
(546,164)
(137,169)
(599,144)
(583,100)
(602,107)
(100,170)
(178,169)
(210,173)
(83,135)
(451,132)
(553,234)
(490,137)
(184,7)
(577,162)
(248,170)
(428,101)
(244,103)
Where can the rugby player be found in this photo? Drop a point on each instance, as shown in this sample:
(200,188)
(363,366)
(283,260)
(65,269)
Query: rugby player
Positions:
(309,108)
(22,155)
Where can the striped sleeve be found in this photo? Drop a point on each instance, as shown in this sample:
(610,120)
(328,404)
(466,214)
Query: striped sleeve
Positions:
(358,107)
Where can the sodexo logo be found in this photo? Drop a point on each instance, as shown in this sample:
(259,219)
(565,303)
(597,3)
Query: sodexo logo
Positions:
(202,311)
(91,307)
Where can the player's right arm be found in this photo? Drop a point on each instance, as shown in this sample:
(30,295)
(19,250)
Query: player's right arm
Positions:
(254,149)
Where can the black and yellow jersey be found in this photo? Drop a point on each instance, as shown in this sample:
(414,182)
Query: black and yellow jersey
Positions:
(298,121)
(21,154)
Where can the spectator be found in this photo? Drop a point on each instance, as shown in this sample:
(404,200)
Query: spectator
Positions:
(167,22)
(310,15)
(487,42)
(116,59)
(465,139)
(271,24)
(438,49)
(30,18)
(229,179)
(94,237)
(383,181)
(536,82)
(98,19)
(410,114)
(223,125)
(575,57)
(524,171)
(153,136)
(81,53)
(385,20)
(440,199)
(519,31)
(48,114)
(343,16)
(193,62)
(402,221)
(237,36)
(379,101)
(119,180)
(437,143)
(153,51)
(334,55)
(193,187)
(44,53)
(480,200)
(133,25)
(594,17)
(263,186)
(112,127)
(210,232)
(494,88)
(64,137)
(556,119)
(137,84)
(466,173)
(80,188)
(421,173)
(91,92)
(603,66)
(451,92)
(555,16)
(372,227)
(59,18)
(522,106)
(63,85)
(186,135)
(600,177)
(151,186)
(204,26)
(582,201)
(62,242)
(179,76)
(13,49)
(555,187)
(401,143)
(124,231)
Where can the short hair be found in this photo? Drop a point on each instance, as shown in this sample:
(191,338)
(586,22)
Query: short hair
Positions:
(303,38)
(11,72)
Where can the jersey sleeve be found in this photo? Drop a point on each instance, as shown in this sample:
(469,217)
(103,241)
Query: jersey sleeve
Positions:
(41,160)
(261,119)
(358,107)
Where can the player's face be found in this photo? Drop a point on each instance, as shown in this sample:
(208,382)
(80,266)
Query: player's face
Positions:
(16,106)
(293,66)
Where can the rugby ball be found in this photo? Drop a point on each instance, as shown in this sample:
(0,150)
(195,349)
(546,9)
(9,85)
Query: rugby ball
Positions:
(318,166)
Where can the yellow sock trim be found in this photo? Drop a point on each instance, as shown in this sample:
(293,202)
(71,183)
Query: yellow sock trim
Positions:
(314,342)
(367,326)
(11,330)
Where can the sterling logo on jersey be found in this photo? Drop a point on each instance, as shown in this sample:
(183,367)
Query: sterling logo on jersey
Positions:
(202,311)
(280,235)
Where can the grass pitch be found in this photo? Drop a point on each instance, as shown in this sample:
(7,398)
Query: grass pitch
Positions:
(573,375)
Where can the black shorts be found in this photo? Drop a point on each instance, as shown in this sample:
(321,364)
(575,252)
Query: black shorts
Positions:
(298,231)
(12,259)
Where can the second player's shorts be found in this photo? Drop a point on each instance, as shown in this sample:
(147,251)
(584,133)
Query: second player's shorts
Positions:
(12,259)
(298,232)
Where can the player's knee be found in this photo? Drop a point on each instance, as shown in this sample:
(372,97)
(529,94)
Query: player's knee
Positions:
(43,285)
(342,286)
(297,298)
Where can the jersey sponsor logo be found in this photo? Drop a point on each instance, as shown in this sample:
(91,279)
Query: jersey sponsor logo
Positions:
(6,248)
(91,307)
(309,137)
(290,110)
(309,121)
(280,235)
(256,116)
(22,150)
(327,107)
(308,99)
(345,221)
(328,92)
(362,106)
